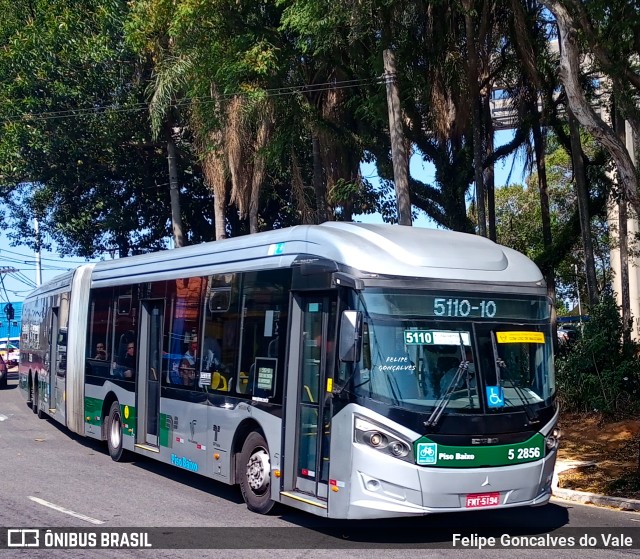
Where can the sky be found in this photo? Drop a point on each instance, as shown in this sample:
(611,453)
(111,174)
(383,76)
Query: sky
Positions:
(425,171)
(16,286)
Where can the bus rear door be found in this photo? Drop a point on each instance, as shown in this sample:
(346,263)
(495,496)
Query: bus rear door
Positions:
(57,366)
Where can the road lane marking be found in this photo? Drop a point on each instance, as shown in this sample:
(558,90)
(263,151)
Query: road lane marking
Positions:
(66,511)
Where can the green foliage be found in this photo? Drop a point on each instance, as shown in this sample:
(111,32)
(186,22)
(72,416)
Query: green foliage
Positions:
(110,70)
(76,149)
(600,372)
(519,221)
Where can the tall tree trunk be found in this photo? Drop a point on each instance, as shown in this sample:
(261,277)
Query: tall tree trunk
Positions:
(319,185)
(549,272)
(582,195)
(624,271)
(297,189)
(399,153)
(473,65)
(623,234)
(489,172)
(570,76)
(219,214)
(541,167)
(174,190)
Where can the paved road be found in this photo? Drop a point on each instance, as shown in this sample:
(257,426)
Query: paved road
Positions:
(54,479)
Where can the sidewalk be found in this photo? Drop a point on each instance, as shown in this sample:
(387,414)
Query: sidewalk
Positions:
(583,496)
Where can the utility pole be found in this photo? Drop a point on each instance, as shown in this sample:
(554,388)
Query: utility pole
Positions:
(399,154)
(36,228)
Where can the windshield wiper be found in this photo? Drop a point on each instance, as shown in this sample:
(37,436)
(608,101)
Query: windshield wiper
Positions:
(441,404)
(532,415)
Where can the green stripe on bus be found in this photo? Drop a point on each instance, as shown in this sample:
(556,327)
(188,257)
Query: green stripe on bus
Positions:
(93,411)
(166,430)
(93,415)
(428,453)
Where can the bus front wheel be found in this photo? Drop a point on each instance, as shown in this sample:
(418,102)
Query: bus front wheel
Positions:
(255,481)
(114,432)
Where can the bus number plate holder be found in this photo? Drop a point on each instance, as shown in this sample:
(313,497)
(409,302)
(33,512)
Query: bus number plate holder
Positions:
(476,500)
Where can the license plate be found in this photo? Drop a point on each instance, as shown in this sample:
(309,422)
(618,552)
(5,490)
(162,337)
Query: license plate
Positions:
(483,500)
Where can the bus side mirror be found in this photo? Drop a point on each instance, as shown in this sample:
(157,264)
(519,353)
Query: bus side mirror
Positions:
(350,336)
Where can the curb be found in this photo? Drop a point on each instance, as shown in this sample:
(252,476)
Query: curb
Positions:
(587,498)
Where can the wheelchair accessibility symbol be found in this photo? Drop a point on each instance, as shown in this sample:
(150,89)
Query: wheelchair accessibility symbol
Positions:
(495,397)
(427,453)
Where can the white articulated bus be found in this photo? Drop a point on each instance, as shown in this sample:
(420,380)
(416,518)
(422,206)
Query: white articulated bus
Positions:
(349,370)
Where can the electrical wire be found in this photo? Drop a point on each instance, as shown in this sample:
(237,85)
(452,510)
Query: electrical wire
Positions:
(137,107)
(42,258)
(2,274)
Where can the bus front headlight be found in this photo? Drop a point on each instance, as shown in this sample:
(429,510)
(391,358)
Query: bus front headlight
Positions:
(374,438)
(553,439)
(381,439)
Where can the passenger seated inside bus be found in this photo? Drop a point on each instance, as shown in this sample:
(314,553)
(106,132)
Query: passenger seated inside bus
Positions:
(101,352)
(211,355)
(187,368)
(126,366)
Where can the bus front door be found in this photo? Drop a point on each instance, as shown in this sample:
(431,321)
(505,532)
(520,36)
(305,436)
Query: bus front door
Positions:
(148,373)
(313,401)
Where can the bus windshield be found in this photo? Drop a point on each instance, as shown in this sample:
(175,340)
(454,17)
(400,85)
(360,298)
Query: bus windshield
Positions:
(465,364)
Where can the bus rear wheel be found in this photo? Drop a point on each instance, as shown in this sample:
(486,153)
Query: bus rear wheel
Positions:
(34,396)
(40,412)
(255,481)
(114,433)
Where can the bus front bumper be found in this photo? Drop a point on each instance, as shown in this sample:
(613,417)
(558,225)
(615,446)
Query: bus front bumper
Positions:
(391,487)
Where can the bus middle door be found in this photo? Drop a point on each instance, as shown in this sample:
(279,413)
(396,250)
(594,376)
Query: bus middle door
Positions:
(149,372)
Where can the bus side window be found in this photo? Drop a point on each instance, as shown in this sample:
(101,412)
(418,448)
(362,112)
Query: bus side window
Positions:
(221,320)
(265,298)
(99,333)
(183,337)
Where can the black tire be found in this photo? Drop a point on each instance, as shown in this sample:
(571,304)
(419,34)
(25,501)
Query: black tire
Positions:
(3,382)
(255,474)
(114,433)
(40,412)
(34,396)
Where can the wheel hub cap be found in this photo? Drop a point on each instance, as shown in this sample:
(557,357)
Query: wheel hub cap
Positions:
(258,471)
(115,432)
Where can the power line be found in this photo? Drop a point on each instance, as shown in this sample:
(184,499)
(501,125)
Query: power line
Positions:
(32,263)
(49,259)
(4,271)
(137,107)
(19,276)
